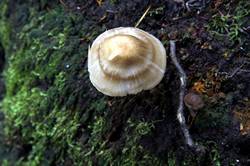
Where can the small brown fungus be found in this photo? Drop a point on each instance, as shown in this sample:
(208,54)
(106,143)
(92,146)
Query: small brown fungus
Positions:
(193,101)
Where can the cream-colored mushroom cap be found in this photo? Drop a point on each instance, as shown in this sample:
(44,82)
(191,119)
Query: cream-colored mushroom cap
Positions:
(126,60)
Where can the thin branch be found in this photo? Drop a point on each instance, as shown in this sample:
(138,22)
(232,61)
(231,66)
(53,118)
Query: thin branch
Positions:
(235,71)
(183,78)
(142,17)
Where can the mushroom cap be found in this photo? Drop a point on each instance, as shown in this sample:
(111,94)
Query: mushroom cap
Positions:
(193,101)
(126,60)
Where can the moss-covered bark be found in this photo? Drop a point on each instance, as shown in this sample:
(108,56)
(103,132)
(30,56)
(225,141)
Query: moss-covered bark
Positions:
(53,116)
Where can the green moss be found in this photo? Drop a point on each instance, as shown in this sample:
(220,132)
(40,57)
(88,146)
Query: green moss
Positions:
(231,24)
(217,115)
(114,1)
(133,153)
(40,73)
(4,26)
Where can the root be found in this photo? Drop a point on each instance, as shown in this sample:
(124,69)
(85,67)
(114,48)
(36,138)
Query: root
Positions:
(183,78)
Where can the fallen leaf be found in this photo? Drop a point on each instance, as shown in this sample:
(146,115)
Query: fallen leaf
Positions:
(199,87)
(99,2)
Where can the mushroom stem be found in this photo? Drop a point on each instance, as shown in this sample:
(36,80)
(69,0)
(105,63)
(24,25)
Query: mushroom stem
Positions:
(183,78)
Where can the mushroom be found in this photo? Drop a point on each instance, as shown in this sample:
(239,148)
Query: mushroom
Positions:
(126,60)
(193,101)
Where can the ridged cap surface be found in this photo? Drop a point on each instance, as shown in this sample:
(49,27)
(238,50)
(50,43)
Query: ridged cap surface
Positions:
(126,60)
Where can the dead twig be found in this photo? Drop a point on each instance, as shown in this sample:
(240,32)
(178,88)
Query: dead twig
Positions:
(142,17)
(235,71)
